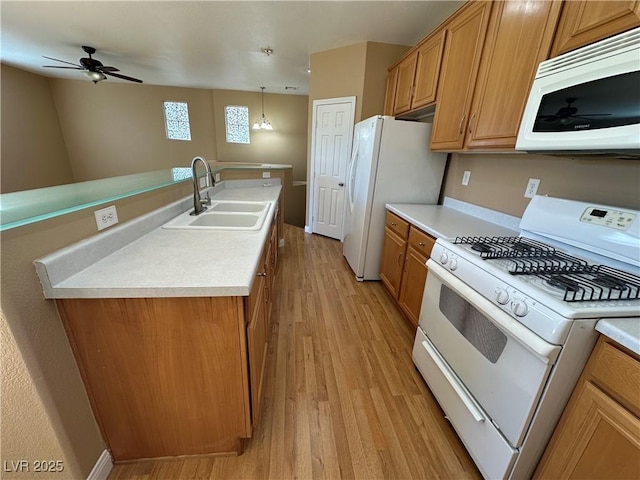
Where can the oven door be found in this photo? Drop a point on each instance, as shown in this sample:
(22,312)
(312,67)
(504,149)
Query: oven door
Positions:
(500,362)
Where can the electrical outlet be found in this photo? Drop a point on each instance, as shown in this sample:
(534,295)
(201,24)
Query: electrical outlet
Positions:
(106,217)
(266,174)
(532,187)
(217,177)
(203,182)
(465,177)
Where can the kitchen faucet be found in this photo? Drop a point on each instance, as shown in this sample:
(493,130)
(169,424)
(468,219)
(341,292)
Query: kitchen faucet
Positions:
(198,203)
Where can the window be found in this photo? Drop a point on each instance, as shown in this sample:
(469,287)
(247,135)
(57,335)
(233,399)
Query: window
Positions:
(236,121)
(176,121)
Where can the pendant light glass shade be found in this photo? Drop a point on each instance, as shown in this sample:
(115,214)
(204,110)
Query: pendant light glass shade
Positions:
(262,123)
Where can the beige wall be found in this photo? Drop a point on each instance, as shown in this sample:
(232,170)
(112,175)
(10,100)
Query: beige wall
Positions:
(498,181)
(286,143)
(116,129)
(358,70)
(34,154)
(379,57)
(45,412)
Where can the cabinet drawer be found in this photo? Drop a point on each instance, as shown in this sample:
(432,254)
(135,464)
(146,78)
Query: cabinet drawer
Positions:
(618,373)
(398,225)
(421,241)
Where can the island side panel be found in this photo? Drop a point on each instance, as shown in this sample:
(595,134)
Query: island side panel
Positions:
(165,376)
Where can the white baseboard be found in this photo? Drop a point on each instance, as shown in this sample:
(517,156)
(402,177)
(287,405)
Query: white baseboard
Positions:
(102,468)
(307,229)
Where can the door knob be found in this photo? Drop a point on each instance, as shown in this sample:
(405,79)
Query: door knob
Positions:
(341,184)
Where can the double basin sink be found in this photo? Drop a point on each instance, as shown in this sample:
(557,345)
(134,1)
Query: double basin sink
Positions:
(224,215)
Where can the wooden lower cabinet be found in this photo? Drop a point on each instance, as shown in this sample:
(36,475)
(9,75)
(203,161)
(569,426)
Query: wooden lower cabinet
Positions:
(403,270)
(598,436)
(414,277)
(393,252)
(174,376)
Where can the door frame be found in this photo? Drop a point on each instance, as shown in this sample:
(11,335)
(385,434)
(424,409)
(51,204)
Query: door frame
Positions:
(311,172)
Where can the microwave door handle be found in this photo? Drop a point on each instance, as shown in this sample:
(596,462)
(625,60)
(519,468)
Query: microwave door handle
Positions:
(461,391)
(532,342)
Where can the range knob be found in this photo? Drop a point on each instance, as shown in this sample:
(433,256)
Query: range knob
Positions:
(501,296)
(519,308)
(453,264)
(444,258)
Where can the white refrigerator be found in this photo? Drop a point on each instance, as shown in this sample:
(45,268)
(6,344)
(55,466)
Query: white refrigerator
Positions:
(390,163)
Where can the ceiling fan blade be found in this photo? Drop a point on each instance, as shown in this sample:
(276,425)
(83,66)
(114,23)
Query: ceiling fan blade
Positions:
(124,77)
(105,68)
(56,66)
(593,115)
(63,61)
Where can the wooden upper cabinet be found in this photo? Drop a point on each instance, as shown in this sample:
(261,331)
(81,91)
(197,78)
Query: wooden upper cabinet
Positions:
(413,83)
(429,59)
(390,96)
(465,37)
(404,86)
(518,39)
(585,22)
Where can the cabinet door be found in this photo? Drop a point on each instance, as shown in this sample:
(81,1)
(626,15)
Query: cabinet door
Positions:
(393,250)
(598,438)
(428,71)
(585,22)
(414,278)
(257,341)
(404,88)
(518,40)
(390,96)
(465,38)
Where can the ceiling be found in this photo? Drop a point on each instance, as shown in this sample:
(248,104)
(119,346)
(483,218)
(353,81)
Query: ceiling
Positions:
(206,44)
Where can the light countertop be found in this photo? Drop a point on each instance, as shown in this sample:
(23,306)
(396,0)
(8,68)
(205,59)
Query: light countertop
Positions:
(625,331)
(446,222)
(164,262)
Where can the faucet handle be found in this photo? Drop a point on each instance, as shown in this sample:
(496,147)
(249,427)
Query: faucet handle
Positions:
(206,201)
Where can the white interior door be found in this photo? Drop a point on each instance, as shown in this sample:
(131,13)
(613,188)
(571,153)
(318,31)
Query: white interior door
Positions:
(331,147)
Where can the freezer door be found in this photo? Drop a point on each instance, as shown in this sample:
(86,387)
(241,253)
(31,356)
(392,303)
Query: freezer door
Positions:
(360,184)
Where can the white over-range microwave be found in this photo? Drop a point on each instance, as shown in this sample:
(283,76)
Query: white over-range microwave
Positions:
(586,102)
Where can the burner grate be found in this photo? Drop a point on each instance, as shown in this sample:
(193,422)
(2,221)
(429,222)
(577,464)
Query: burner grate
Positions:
(601,283)
(506,247)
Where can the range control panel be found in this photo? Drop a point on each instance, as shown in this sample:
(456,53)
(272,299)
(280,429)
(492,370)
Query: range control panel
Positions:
(618,219)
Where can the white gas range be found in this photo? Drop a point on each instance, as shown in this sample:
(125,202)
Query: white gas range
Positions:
(507,323)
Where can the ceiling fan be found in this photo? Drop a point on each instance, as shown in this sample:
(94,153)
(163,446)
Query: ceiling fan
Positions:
(92,68)
(566,114)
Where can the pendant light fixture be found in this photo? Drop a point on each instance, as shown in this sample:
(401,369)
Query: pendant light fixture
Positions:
(262,123)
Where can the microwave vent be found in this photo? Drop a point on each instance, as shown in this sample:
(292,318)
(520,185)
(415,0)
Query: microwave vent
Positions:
(615,45)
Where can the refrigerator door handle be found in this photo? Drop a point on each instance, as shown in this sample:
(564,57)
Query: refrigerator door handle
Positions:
(351,176)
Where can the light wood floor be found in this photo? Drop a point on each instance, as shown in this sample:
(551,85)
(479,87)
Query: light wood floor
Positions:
(342,396)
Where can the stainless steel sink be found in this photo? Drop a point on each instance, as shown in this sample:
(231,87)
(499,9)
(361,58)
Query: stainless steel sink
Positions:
(224,216)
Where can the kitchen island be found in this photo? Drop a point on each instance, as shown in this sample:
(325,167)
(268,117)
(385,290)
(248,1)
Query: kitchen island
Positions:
(169,327)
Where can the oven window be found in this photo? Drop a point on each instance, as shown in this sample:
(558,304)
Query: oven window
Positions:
(607,102)
(473,325)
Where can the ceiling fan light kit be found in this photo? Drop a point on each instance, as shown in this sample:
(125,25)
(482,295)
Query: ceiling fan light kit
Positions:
(91,68)
(262,123)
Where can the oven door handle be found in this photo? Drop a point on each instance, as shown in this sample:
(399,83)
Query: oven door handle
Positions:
(457,386)
(532,342)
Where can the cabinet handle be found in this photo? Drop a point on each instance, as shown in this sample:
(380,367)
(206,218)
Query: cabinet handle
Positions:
(400,258)
(461,122)
(393,224)
(421,244)
(262,274)
(471,122)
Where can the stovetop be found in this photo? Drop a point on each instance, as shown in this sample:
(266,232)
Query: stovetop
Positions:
(554,272)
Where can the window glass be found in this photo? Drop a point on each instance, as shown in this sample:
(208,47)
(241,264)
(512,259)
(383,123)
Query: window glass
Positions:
(176,120)
(236,119)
